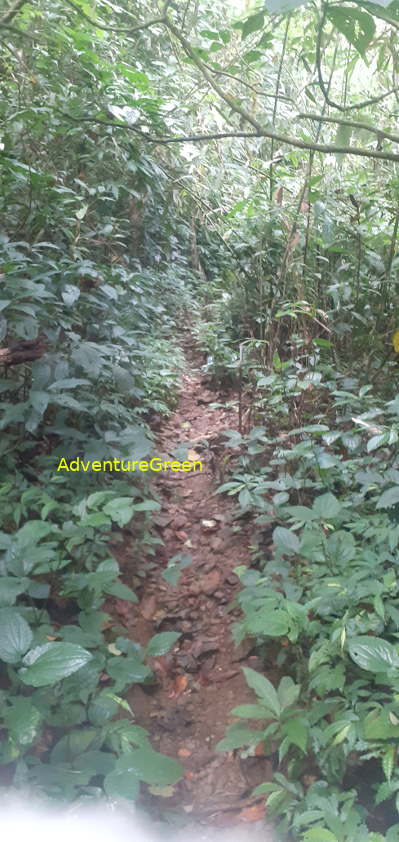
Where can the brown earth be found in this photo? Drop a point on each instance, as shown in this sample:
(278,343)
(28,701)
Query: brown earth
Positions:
(187,710)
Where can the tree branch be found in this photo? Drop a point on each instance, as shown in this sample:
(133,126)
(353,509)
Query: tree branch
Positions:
(239,109)
(355,124)
(330,149)
(330,102)
(128,30)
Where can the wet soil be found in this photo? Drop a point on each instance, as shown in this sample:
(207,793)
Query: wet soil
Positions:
(201,680)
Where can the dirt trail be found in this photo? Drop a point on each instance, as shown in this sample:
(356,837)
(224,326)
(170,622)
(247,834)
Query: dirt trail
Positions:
(201,680)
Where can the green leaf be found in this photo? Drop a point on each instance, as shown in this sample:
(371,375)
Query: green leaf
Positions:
(301,513)
(15,635)
(356,25)
(326,506)
(377,441)
(121,591)
(264,690)
(319,834)
(120,510)
(103,707)
(122,784)
(39,401)
(81,213)
(23,720)
(267,621)
(378,726)
(147,506)
(95,761)
(11,587)
(388,761)
(388,498)
(287,692)
(47,664)
(297,732)
(250,712)
(70,293)
(373,654)
(285,541)
(127,670)
(237,736)
(150,766)
(162,643)
(252,24)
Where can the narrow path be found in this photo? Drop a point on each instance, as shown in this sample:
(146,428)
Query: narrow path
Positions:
(201,680)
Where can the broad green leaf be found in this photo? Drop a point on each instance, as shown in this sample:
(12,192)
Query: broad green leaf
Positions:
(121,591)
(103,707)
(162,643)
(33,531)
(319,834)
(23,720)
(68,383)
(252,24)
(297,732)
(150,766)
(326,506)
(39,401)
(267,621)
(120,784)
(237,737)
(95,761)
(373,654)
(147,506)
(120,510)
(50,663)
(377,441)
(378,726)
(355,24)
(15,635)
(388,498)
(301,513)
(287,692)
(11,587)
(70,293)
(264,690)
(285,541)
(251,712)
(127,670)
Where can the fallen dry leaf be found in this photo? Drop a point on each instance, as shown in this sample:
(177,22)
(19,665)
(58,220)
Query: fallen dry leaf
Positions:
(184,752)
(113,649)
(260,749)
(254,813)
(162,791)
(193,456)
(148,607)
(179,686)
(210,582)
(209,524)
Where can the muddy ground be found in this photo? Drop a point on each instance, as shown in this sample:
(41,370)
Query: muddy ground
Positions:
(188,709)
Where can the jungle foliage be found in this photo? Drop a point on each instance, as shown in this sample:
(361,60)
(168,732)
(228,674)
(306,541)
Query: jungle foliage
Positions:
(238,166)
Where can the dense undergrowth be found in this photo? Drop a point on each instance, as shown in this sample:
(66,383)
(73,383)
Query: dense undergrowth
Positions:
(281,249)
